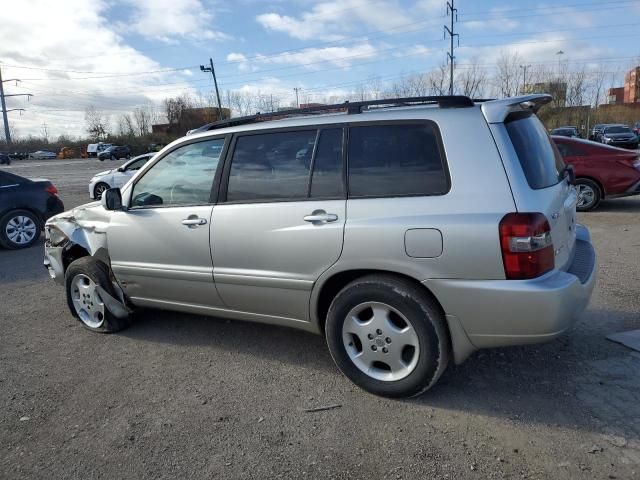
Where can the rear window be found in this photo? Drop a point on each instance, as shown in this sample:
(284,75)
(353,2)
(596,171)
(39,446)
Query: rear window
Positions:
(396,160)
(540,160)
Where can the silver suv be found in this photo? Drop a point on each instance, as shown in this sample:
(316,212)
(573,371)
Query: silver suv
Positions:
(410,232)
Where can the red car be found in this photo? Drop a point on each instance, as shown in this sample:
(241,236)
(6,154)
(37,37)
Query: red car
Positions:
(601,171)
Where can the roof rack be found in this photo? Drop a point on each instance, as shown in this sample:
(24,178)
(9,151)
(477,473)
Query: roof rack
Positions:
(444,101)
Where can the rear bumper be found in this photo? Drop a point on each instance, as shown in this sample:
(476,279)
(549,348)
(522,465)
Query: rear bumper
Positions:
(496,313)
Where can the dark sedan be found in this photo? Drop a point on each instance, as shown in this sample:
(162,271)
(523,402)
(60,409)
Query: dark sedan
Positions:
(619,136)
(571,132)
(25,204)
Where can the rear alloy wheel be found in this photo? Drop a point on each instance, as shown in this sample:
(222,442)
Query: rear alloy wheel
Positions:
(388,336)
(19,229)
(589,194)
(99,189)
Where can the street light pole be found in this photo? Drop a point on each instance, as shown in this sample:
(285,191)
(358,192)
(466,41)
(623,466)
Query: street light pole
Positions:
(524,78)
(215,82)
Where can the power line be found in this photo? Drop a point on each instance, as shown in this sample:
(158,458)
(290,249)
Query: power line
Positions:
(450,31)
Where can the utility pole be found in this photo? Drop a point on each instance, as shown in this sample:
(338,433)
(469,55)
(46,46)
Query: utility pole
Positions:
(296,89)
(524,78)
(7,133)
(449,30)
(45,132)
(215,82)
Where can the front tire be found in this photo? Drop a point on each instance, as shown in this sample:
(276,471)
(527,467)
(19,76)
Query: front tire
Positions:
(589,195)
(388,336)
(83,299)
(99,189)
(19,229)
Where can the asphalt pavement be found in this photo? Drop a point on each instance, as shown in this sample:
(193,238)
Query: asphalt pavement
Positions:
(185,396)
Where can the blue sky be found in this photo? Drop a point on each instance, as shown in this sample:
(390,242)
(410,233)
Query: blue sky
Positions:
(119,54)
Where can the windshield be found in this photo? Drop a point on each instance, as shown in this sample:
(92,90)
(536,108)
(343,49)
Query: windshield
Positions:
(617,129)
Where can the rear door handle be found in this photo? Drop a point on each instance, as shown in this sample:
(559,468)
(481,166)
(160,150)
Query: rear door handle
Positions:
(194,222)
(320,216)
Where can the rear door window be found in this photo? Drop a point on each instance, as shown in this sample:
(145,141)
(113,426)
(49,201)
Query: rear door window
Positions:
(271,167)
(396,160)
(540,160)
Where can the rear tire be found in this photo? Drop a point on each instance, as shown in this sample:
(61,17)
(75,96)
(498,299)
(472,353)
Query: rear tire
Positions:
(589,195)
(84,301)
(388,336)
(19,229)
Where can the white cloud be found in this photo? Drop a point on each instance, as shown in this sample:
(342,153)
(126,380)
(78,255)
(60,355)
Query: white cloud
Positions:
(318,58)
(326,20)
(167,19)
(90,46)
(236,57)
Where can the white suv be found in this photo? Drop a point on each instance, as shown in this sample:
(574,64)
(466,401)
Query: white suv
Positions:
(377,224)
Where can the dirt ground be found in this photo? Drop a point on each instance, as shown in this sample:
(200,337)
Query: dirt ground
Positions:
(184,396)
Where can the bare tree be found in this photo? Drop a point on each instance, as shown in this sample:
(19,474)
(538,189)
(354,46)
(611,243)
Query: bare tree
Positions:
(437,80)
(126,127)
(143,117)
(97,123)
(471,80)
(507,77)
(174,108)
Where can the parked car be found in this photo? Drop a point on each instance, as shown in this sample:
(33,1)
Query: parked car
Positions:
(403,258)
(115,152)
(595,132)
(116,177)
(25,204)
(571,132)
(5,159)
(93,149)
(18,155)
(43,155)
(618,136)
(601,171)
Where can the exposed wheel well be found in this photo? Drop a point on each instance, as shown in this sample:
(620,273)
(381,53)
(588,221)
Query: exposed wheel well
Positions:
(338,281)
(600,186)
(73,253)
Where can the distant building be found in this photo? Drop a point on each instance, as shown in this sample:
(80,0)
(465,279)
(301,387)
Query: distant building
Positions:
(558,90)
(632,86)
(615,96)
(191,118)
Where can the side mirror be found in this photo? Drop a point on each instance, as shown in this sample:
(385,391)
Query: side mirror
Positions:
(570,174)
(121,169)
(112,199)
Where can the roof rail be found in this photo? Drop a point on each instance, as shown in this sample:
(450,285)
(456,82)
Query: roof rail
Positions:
(444,101)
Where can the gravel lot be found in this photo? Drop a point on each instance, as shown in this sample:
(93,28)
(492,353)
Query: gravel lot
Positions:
(183,396)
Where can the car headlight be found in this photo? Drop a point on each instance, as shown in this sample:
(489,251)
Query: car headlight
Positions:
(56,236)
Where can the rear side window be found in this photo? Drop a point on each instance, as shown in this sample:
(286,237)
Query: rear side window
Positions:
(540,161)
(271,166)
(396,160)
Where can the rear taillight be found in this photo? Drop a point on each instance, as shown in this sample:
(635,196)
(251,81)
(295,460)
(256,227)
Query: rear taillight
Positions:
(527,248)
(51,189)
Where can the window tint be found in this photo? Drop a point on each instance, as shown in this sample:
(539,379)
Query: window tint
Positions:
(183,177)
(540,161)
(387,160)
(271,166)
(9,179)
(138,164)
(327,165)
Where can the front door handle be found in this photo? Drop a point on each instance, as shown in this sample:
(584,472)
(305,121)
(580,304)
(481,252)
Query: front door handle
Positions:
(193,221)
(320,216)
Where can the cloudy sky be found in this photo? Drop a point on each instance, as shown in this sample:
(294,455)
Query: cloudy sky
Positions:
(118,54)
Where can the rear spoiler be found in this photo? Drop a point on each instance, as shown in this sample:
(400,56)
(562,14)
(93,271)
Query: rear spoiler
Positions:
(496,111)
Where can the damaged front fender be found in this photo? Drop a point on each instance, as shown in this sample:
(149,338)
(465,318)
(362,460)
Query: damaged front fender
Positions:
(73,234)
